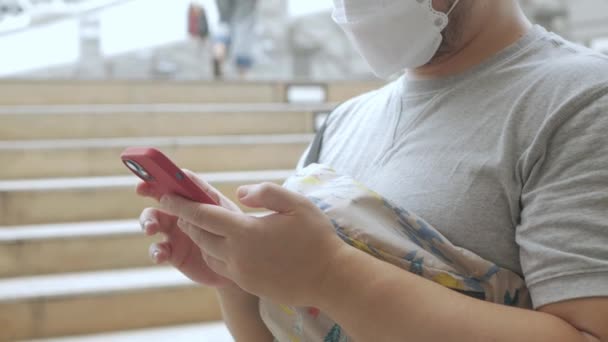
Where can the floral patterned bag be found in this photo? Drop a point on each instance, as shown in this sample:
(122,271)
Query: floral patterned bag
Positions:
(369,222)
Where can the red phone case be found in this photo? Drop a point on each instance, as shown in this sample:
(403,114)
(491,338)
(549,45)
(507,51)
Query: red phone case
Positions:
(164,174)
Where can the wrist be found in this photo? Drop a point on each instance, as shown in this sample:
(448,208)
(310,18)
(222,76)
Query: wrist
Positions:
(240,311)
(233,291)
(336,277)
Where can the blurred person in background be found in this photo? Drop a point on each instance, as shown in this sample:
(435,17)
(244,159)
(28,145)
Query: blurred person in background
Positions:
(494,132)
(198,26)
(235,36)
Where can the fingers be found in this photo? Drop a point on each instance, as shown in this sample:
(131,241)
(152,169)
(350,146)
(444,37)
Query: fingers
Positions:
(211,244)
(154,221)
(217,266)
(207,188)
(160,252)
(269,196)
(215,219)
(148,190)
(215,194)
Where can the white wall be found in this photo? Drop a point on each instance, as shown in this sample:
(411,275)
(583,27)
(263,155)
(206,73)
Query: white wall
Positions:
(296,8)
(588,19)
(41,47)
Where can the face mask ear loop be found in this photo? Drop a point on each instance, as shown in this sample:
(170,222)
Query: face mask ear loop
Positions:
(452,8)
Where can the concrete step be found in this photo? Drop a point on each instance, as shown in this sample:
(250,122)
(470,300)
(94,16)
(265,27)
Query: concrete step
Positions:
(100,157)
(26,202)
(155,120)
(206,332)
(49,92)
(73,247)
(341,91)
(88,303)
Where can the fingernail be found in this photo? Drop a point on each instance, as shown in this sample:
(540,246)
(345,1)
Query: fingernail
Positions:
(146,225)
(155,255)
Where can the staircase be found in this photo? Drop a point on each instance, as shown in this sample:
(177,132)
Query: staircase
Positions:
(73,261)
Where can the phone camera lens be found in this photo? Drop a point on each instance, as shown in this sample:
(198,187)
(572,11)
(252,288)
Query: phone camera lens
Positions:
(131,165)
(144,174)
(138,169)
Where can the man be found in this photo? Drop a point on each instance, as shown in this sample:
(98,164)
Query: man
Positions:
(495,134)
(235,36)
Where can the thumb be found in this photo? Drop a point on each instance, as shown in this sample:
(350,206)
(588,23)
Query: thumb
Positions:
(268,196)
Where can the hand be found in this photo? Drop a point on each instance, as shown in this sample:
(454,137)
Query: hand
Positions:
(178,249)
(285,256)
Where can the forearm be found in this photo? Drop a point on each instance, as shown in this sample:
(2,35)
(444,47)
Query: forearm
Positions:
(389,304)
(241,314)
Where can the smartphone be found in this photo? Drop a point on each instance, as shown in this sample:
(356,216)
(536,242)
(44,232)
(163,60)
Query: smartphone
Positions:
(155,168)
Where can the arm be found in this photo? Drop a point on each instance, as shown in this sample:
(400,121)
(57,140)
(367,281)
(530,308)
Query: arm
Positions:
(562,236)
(241,314)
(389,305)
(371,299)
(239,308)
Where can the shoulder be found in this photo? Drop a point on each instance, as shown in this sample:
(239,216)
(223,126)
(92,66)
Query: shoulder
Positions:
(561,83)
(577,83)
(570,68)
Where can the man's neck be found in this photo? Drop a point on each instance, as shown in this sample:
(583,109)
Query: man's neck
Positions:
(497,31)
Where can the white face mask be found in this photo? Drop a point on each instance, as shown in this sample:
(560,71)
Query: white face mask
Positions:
(392,35)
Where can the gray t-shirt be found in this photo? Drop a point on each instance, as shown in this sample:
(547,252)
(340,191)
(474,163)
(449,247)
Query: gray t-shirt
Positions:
(508,160)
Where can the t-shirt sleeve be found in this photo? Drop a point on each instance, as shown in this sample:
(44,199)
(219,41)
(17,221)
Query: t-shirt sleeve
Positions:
(563,231)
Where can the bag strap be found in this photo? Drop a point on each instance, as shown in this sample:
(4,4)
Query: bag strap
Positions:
(315,148)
